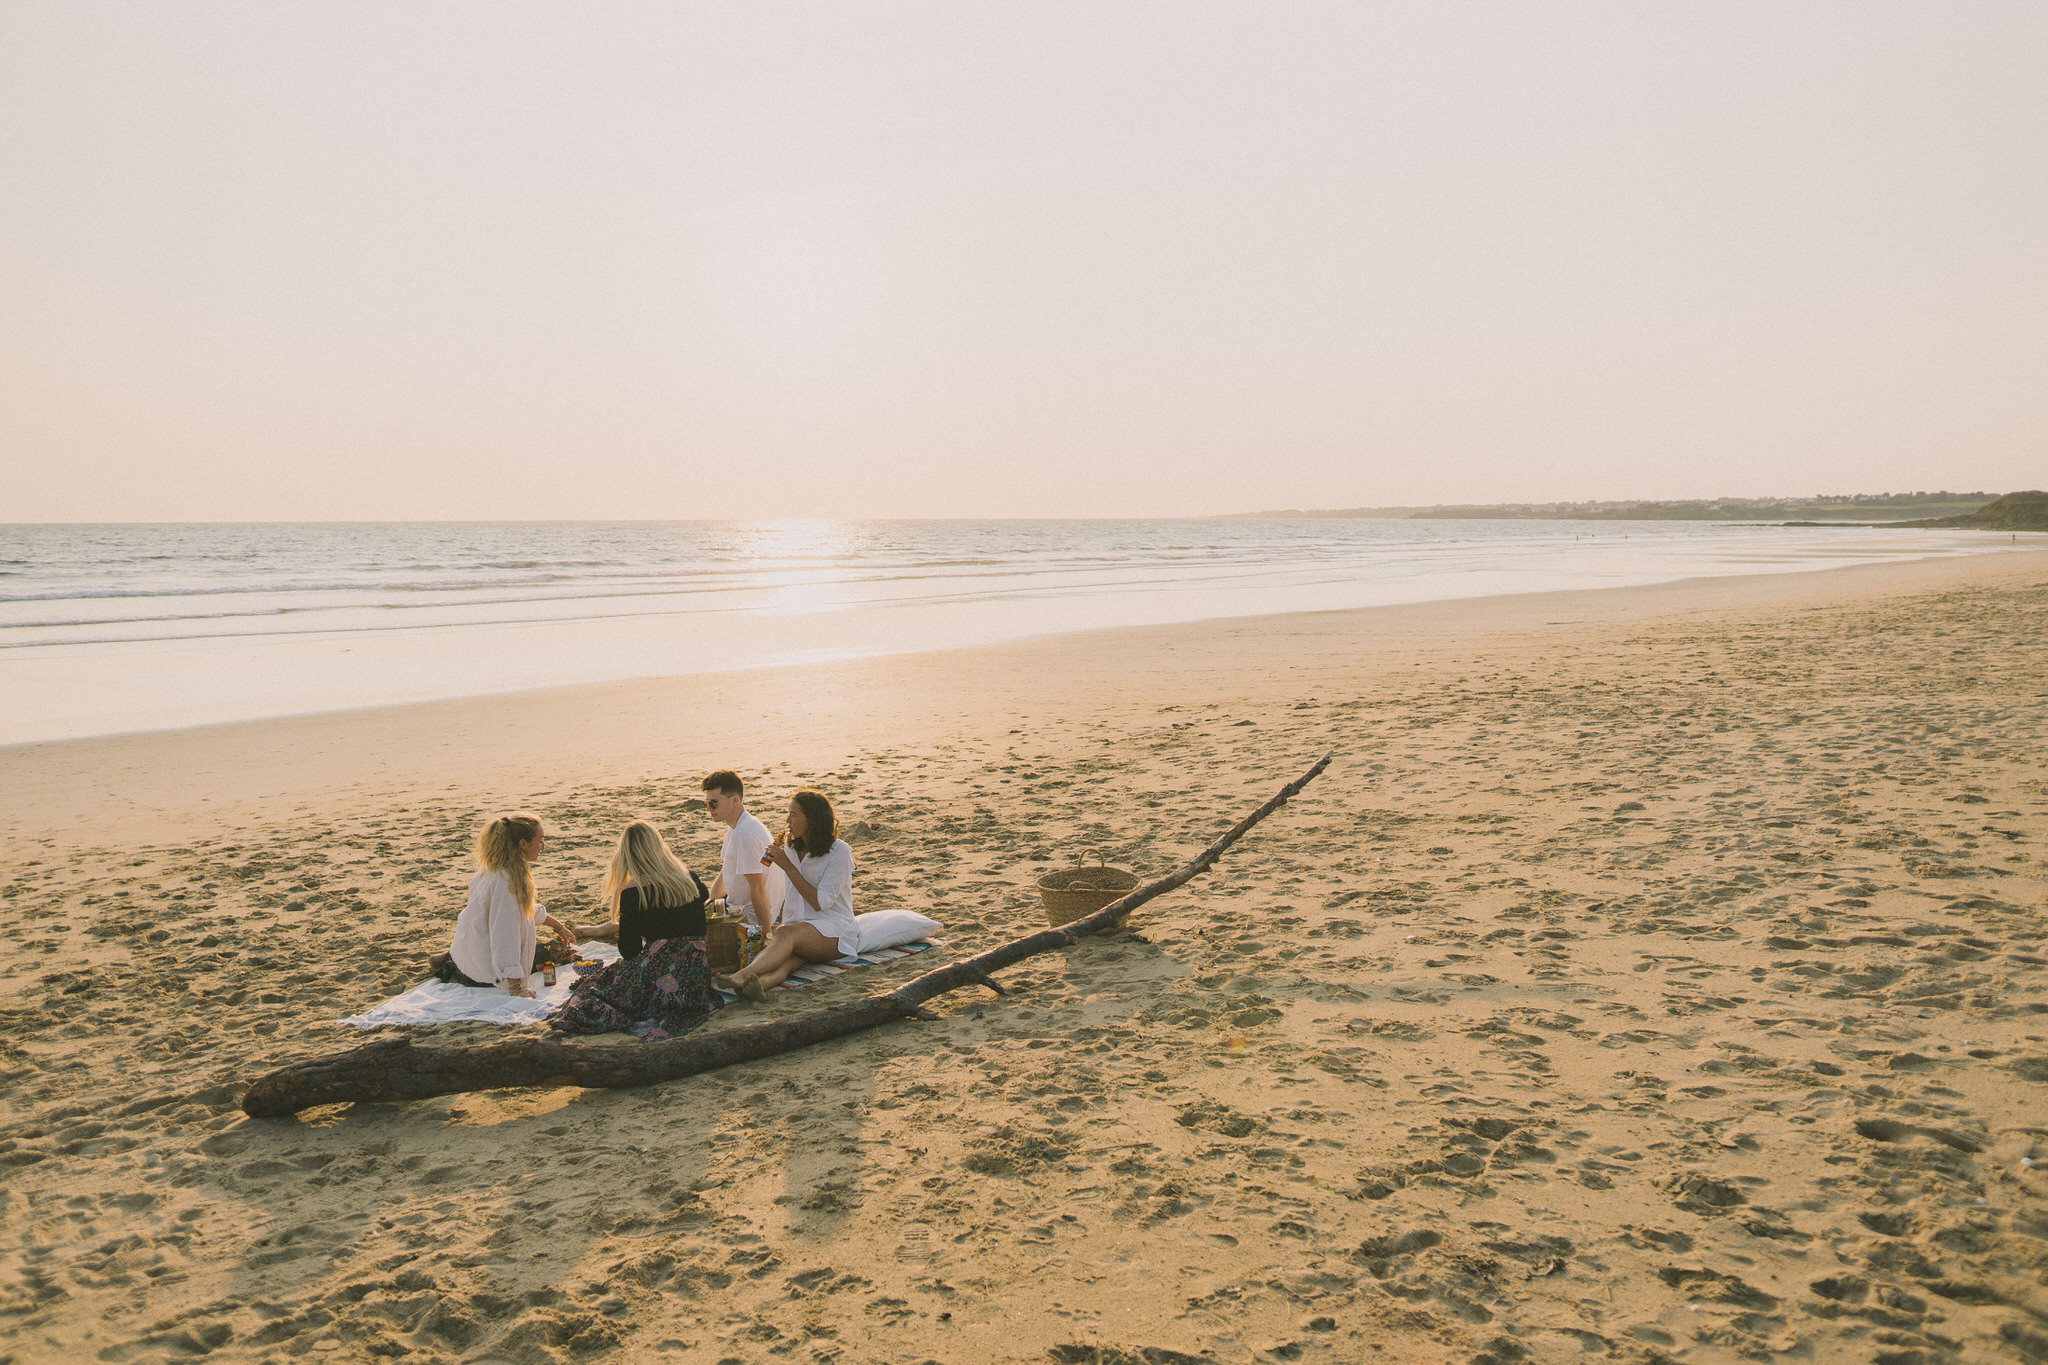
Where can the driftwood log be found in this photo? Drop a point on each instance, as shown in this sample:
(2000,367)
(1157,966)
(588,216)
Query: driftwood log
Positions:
(393,1069)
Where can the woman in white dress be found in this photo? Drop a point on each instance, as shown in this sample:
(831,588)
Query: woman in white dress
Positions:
(817,914)
(495,933)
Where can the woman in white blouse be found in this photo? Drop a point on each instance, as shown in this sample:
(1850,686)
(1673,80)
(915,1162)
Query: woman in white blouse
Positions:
(817,914)
(494,934)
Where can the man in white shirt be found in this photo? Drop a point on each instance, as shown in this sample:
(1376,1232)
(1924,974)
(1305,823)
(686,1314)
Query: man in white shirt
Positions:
(746,880)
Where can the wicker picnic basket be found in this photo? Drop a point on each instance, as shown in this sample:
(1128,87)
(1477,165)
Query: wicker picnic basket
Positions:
(722,945)
(1078,891)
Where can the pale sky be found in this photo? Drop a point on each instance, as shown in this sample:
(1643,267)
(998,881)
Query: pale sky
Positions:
(504,260)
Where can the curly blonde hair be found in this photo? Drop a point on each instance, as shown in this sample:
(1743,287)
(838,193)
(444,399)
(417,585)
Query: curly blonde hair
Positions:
(497,850)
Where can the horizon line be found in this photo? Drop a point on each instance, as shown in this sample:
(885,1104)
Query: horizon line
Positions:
(1276,513)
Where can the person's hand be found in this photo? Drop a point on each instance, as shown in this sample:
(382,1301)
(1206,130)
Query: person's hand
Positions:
(563,932)
(777,857)
(518,988)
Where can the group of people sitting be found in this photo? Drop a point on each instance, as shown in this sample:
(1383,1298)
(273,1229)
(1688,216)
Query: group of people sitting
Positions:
(797,890)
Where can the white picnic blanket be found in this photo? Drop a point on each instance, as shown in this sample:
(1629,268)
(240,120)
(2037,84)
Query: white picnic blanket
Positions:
(444,1002)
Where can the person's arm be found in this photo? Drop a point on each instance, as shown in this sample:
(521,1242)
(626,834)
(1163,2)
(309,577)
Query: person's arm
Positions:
(835,880)
(757,896)
(505,919)
(631,939)
(562,931)
(609,930)
(697,910)
(780,857)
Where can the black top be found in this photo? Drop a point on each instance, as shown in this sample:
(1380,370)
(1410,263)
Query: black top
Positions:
(643,924)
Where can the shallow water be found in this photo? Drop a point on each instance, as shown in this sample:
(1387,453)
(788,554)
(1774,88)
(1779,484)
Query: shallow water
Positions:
(111,628)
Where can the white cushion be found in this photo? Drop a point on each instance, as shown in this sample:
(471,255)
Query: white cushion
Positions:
(881,929)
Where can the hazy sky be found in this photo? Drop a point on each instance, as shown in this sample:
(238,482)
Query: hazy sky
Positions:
(359,260)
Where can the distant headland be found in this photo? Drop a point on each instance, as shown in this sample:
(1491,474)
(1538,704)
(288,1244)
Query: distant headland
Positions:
(2026,511)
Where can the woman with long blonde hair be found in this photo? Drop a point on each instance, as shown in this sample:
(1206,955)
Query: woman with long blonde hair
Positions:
(495,933)
(661,984)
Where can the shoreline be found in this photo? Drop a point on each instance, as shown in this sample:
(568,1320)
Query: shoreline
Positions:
(285,654)
(137,779)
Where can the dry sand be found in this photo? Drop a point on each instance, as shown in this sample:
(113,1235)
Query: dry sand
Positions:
(1656,974)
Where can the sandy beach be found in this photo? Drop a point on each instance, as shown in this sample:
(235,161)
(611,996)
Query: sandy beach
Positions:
(1656,974)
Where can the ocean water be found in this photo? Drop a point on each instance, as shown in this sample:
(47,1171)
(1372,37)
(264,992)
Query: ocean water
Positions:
(113,628)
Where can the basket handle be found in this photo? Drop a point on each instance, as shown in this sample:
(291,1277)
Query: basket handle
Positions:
(1082,862)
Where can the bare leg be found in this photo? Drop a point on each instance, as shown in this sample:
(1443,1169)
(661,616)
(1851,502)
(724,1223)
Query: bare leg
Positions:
(790,947)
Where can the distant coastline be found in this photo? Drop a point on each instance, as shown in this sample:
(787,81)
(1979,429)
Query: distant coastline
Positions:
(1847,509)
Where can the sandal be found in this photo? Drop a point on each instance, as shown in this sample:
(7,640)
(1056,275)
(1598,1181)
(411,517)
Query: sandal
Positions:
(751,987)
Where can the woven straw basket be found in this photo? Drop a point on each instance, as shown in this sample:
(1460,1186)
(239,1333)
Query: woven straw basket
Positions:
(722,945)
(1075,892)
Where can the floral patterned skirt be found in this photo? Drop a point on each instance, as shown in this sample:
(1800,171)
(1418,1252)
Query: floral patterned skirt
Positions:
(664,991)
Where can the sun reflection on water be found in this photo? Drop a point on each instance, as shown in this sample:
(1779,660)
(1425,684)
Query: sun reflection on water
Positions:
(807,560)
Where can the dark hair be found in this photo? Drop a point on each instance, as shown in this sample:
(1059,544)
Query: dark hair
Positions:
(821,826)
(725,780)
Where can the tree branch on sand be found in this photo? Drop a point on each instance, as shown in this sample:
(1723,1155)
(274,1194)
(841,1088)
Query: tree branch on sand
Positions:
(393,1069)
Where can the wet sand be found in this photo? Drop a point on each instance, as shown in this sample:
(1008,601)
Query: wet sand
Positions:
(1656,974)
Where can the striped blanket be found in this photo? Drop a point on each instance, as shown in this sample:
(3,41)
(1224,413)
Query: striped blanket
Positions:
(810,976)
